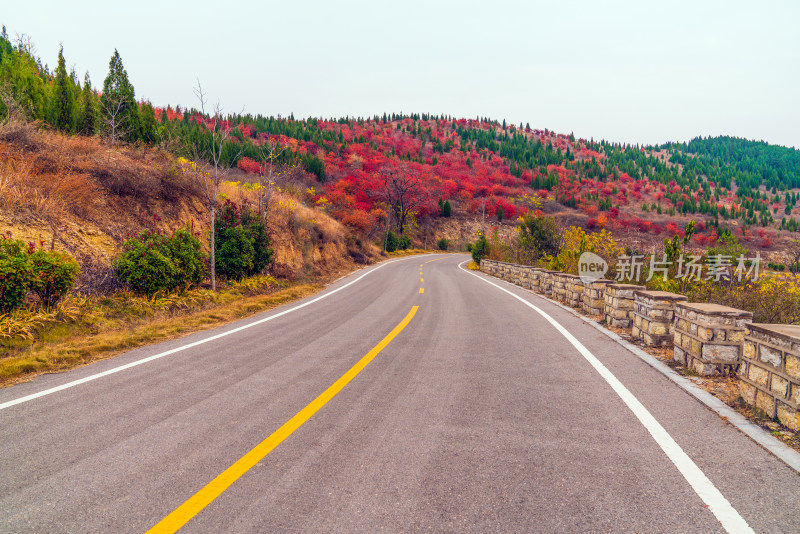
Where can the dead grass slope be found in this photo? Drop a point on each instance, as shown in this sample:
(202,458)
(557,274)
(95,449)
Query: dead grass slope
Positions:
(80,195)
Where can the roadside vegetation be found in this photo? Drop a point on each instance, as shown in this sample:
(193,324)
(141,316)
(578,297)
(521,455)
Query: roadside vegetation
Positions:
(540,240)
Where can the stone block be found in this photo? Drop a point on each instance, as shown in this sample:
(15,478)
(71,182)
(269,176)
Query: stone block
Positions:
(702,368)
(758,375)
(727,353)
(678,355)
(769,355)
(794,394)
(765,403)
(793,366)
(748,393)
(735,336)
(788,416)
(779,386)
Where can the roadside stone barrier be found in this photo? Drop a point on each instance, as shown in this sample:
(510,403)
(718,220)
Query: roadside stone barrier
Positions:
(653,312)
(535,279)
(526,276)
(619,304)
(708,337)
(594,296)
(560,286)
(489,267)
(574,291)
(769,377)
(546,279)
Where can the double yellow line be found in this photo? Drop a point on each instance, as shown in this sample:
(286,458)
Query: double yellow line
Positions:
(185,512)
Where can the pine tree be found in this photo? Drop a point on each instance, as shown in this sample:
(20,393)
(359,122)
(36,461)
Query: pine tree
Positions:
(63,111)
(118,103)
(149,125)
(88,116)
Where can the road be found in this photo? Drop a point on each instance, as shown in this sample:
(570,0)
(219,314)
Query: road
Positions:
(466,411)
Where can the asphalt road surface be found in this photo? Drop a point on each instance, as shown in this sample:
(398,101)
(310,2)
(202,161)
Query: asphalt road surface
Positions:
(382,408)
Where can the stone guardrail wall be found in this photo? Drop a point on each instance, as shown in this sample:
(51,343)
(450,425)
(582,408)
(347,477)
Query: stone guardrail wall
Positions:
(574,291)
(707,338)
(594,302)
(619,304)
(653,312)
(546,282)
(769,377)
(560,286)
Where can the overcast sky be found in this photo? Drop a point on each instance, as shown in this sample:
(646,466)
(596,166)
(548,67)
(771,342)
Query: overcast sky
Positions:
(637,72)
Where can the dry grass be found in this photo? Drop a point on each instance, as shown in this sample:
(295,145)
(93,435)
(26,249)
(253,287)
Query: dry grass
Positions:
(411,252)
(122,323)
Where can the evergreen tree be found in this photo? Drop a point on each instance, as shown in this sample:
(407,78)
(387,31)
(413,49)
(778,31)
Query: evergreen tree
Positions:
(446,209)
(149,125)
(118,103)
(88,116)
(21,73)
(63,112)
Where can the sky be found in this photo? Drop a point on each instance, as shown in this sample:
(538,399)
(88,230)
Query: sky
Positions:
(624,71)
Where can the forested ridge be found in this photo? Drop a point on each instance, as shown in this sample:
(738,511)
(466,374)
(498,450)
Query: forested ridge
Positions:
(480,166)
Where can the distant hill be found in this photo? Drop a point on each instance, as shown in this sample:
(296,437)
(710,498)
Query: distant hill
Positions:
(405,167)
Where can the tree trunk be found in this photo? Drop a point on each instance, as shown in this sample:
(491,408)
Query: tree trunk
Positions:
(213,254)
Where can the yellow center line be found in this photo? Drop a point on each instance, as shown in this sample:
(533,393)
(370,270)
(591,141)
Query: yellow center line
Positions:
(421,279)
(185,512)
(437,259)
(422,290)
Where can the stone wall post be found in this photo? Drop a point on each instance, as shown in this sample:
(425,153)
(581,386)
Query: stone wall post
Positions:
(708,337)
(594,297)
(574,291)
(653,312)
(619,304)
(769,377)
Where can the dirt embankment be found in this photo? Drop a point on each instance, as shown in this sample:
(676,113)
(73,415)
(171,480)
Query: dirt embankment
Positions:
(85,197)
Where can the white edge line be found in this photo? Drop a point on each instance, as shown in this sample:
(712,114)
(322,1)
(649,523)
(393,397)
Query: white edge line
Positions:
(89,378)
(728,517)
(763,438)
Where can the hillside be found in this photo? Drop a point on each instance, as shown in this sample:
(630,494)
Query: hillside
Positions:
(491,170)
(79,195)
(386,172)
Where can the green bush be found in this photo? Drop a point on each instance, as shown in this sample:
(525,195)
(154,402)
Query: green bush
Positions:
(391,241)
(15,273)
(480,249)
(241,242)
(153,262)
(50,274)
(404,242)
(54,274)
(443,244)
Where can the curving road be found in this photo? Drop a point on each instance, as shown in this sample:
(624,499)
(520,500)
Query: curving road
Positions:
(373,407)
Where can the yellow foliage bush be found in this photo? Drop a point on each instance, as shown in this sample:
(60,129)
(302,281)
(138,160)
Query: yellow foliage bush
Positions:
(576,242)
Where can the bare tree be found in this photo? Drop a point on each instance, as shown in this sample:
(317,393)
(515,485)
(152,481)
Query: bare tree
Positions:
(211,182)
(24,43)
(403,193)
(115,121)
(270,152)
(793,251)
